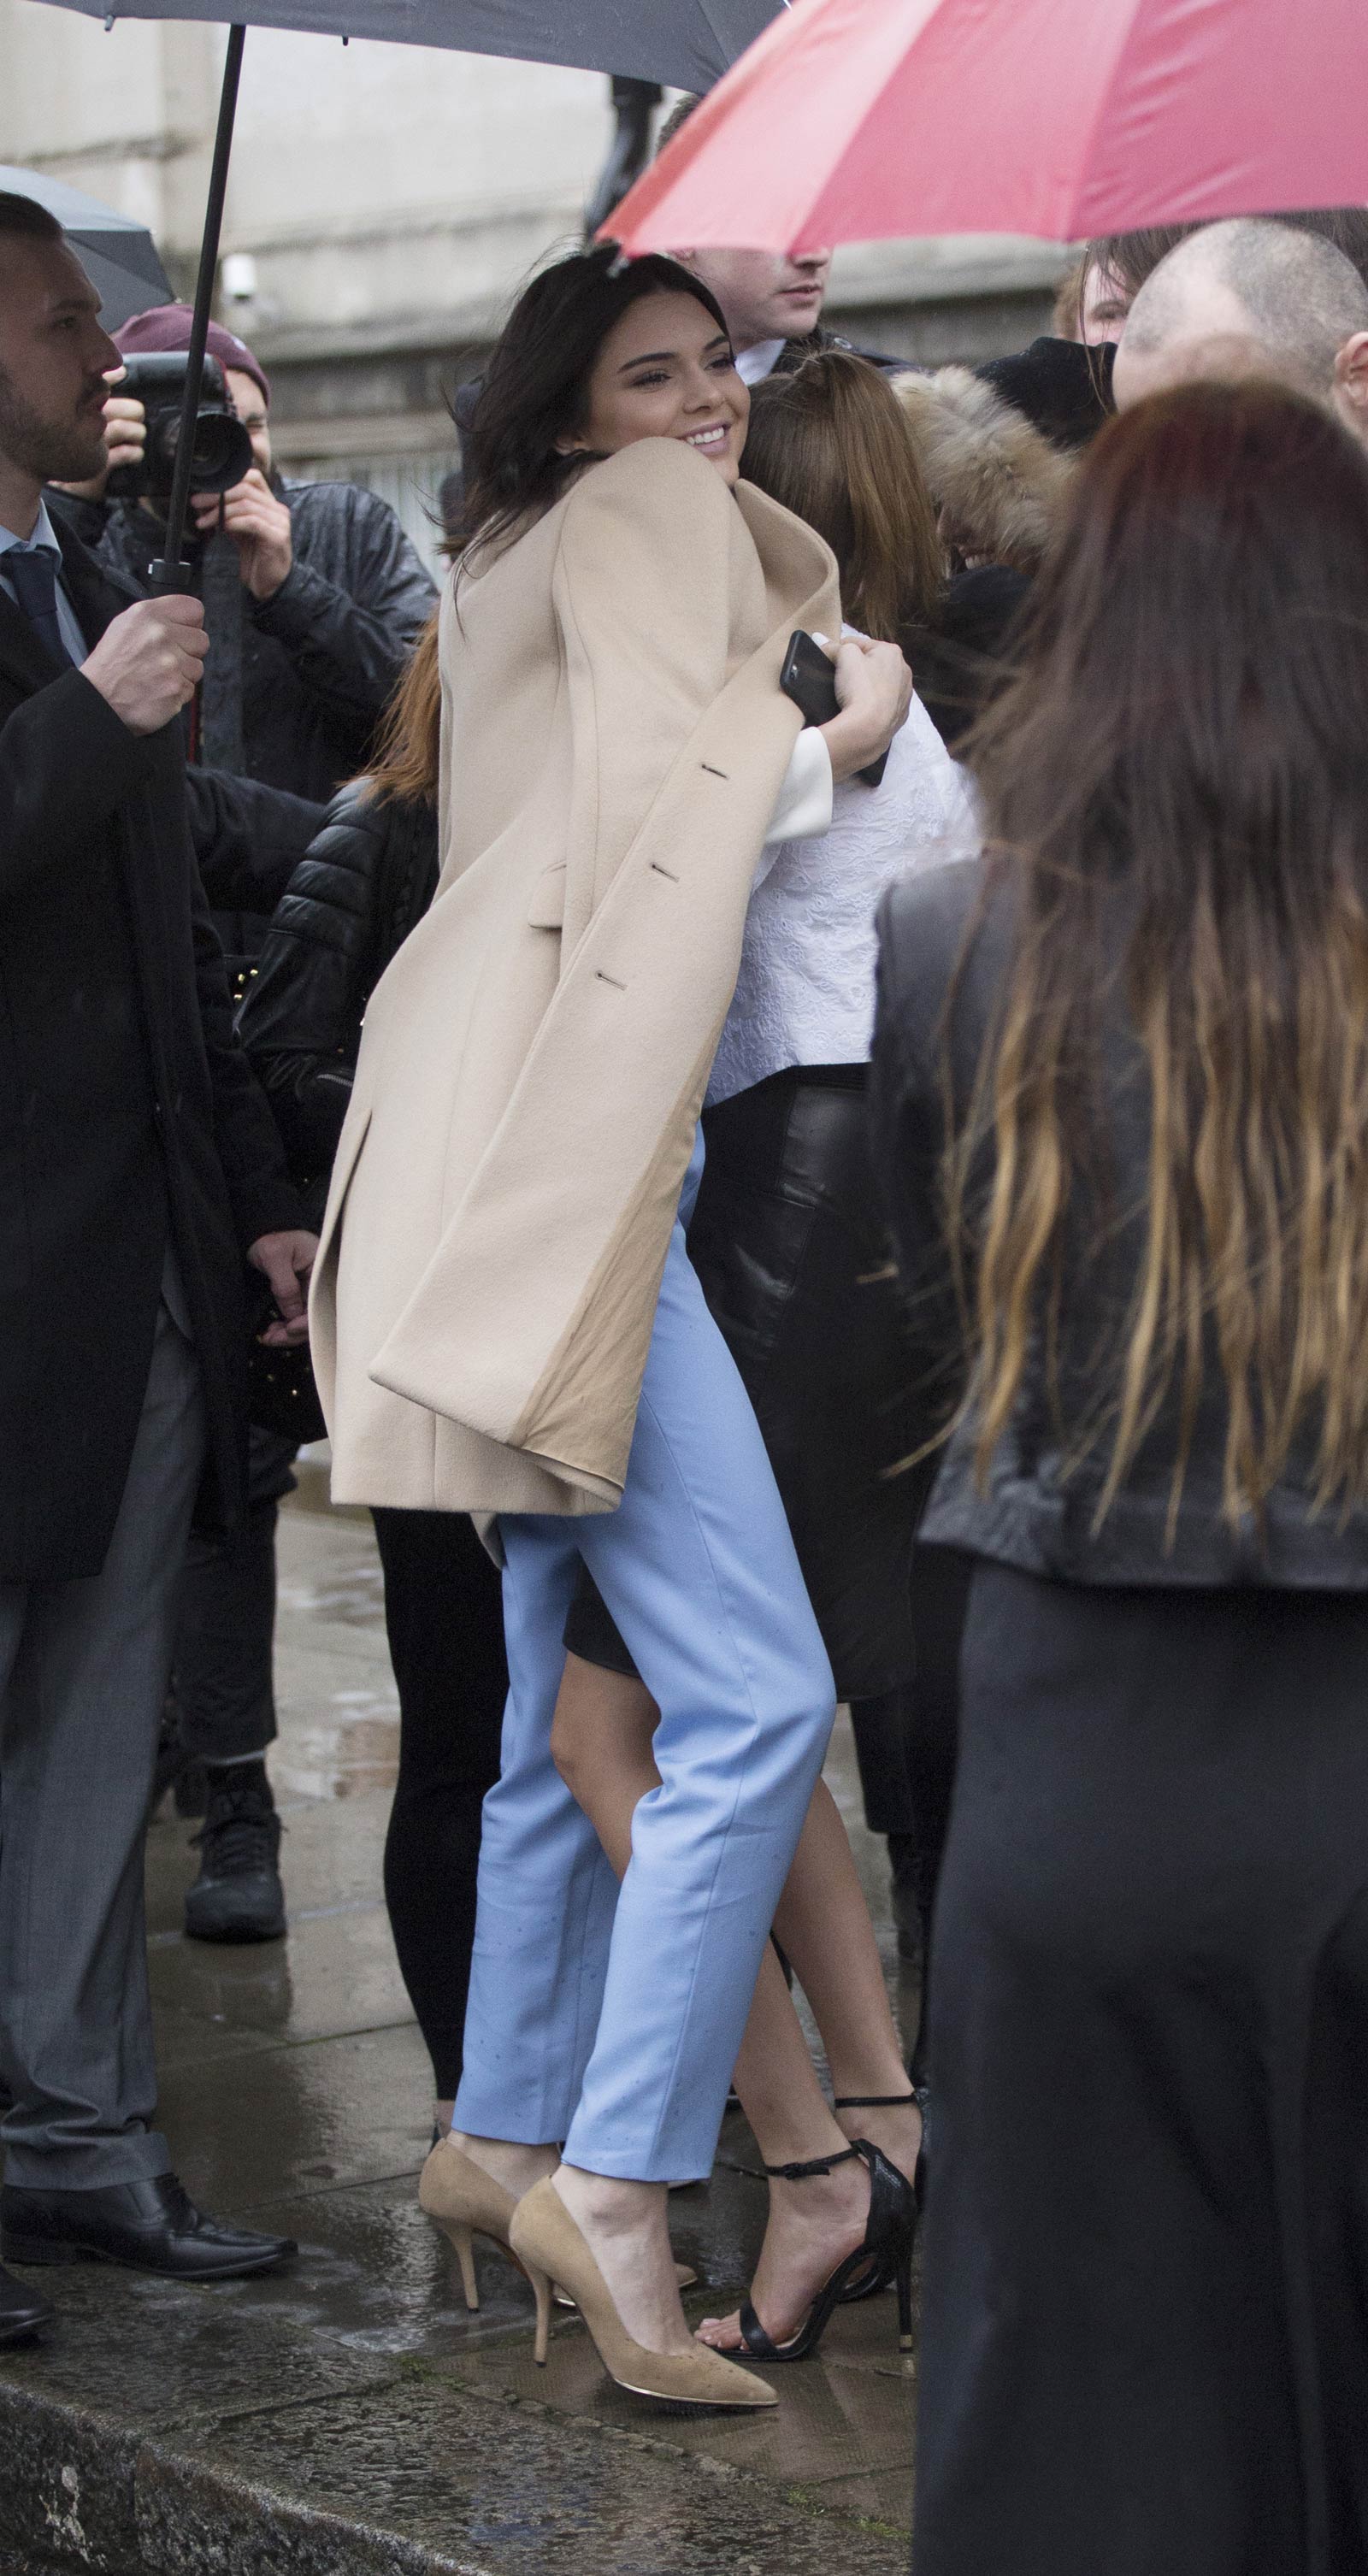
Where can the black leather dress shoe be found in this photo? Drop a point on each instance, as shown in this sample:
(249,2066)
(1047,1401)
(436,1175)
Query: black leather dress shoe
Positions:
(152,2225)
(22,2312)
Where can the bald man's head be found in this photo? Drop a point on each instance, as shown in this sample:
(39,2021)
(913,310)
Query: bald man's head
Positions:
(1248,297)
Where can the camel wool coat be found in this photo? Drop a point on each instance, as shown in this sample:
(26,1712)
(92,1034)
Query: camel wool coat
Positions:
(534,1060)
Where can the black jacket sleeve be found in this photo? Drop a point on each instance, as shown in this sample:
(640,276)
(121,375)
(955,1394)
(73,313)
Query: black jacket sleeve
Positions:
(67,762)
(349,647)
(262,1196)
(301,1019)
(249,838)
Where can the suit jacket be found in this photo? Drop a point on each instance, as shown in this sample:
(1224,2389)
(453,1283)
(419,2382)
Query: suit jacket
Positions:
(128,1113)
(533,1062)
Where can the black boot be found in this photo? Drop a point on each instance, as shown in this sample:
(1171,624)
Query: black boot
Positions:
(238,1895)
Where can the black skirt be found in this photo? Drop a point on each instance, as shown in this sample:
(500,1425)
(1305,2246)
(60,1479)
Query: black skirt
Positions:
(1145,2338)
(789,1242)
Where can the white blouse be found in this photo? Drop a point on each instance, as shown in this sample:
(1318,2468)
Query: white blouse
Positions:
(805,992)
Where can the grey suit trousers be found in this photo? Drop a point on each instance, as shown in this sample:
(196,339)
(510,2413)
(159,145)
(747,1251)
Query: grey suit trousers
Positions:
(83,1673)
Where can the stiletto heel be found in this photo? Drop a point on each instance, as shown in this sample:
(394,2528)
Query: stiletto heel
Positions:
(904,2280)
(465,2255)
(466,2202)
(886,2252)
(541,2288)
(548,2242)
(869,2284)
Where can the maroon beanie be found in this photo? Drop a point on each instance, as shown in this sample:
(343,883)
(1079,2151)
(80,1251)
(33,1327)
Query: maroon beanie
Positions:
(167,326)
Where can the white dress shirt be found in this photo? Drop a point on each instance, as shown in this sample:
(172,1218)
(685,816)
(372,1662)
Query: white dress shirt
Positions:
(45,536)
(757,362)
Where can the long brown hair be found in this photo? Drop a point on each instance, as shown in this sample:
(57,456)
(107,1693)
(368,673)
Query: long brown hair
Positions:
(407,745)
(831,443)
(1175,789)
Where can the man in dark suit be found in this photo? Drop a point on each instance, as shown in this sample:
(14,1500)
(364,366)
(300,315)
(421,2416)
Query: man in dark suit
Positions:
(139,1171)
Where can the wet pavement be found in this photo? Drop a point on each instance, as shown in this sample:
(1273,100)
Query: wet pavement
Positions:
(296,2093)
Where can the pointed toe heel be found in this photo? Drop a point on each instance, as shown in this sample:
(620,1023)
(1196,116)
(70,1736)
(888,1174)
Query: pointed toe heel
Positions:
(547,2241)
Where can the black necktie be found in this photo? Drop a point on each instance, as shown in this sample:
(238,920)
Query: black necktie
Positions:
(33,573)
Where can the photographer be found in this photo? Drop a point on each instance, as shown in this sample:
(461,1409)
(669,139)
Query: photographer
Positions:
(322,601)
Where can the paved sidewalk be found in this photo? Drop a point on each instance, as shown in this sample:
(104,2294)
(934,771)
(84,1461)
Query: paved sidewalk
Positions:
(348,2414)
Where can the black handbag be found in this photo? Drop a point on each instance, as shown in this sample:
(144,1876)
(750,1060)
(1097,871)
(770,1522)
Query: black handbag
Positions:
(281,1393)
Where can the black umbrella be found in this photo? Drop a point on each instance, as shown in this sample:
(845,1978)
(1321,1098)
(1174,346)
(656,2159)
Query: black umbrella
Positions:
(686,43)
(119,256)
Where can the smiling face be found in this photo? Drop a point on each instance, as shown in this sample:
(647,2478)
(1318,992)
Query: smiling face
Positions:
(666,371)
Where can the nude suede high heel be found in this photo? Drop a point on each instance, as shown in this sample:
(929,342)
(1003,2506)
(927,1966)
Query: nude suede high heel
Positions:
(466,2202)
(550,2247)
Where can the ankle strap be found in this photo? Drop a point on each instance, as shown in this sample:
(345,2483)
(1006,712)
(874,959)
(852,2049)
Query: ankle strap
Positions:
(873,2101)
(817,2165)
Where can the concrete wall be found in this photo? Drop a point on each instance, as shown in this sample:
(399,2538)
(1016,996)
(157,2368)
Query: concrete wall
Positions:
(391,201)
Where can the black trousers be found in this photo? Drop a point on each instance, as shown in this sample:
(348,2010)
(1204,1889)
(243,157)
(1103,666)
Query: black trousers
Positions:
(444,1620)
(1145,2333)
(222,1684)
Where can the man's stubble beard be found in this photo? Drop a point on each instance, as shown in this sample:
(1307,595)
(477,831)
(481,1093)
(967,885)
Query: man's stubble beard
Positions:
(52,451)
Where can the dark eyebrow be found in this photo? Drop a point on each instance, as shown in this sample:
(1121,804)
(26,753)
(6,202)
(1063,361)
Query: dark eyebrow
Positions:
(652,357)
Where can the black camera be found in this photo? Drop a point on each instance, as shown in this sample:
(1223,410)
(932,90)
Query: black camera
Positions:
(222,449)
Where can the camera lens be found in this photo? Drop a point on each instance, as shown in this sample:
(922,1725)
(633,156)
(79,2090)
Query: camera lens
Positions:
(222,450)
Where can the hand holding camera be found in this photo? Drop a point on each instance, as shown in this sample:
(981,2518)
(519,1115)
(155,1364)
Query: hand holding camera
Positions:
(259,525)
(149,661)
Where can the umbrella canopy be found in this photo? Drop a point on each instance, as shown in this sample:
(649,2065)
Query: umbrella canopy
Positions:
(117,255)
(687,44)
(864,120)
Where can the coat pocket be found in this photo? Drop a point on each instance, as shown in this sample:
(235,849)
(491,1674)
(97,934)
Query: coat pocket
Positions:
(546,911)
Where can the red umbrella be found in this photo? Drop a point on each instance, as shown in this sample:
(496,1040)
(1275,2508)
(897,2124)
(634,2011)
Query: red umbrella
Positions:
(857,120)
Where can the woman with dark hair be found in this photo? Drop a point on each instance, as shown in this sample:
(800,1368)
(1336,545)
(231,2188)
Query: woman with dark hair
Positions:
(362,886)
(506,1320)
(1121,1084)
(790,1243)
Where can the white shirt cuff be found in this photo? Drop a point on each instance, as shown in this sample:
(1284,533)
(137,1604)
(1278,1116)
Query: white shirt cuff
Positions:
(802,810)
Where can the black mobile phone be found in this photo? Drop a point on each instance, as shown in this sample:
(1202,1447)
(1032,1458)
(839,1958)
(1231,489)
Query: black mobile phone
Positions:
(809,678)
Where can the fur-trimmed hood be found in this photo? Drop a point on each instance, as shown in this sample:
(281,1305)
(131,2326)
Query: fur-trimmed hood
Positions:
(1000,483)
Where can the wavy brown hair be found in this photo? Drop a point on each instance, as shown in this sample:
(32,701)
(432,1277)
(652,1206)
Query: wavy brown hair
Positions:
(831,442)
(1175,789)
(408,742)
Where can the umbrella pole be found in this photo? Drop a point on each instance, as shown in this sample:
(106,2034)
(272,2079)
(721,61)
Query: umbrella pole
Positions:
(171,572)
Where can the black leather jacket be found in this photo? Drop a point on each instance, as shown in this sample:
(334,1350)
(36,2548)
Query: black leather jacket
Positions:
(1031,1512)
(351,902)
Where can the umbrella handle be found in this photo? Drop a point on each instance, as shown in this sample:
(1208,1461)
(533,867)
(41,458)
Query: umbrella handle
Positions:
(171,572)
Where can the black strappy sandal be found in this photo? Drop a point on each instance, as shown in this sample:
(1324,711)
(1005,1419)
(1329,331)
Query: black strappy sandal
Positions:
(879,2275)
(887,2250)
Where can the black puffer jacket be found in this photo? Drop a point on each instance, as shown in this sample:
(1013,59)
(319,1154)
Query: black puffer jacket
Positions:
(352,901)
(1031,1513)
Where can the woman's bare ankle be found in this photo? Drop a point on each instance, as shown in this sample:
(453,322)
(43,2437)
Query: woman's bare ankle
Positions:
(625,2225)
(895,2128)
(508,2160)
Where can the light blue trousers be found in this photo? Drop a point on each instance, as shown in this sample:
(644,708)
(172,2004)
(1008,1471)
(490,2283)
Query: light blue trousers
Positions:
(611,2019)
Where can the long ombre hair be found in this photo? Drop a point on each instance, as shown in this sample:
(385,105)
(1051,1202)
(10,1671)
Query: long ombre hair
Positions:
(831,442)
(1175,792)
